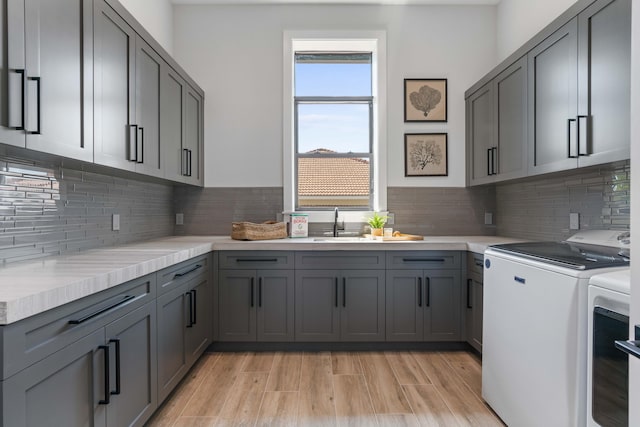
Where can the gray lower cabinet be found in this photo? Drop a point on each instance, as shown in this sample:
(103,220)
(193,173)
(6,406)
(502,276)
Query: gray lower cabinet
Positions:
(256,305)
(184,322)
(423,296)
(100,364)
(340,305)
(473,295)
(45,76)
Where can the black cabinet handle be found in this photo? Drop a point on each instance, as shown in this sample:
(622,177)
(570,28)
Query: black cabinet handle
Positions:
(116,341)
(195,306)
(469,282)
(22,106)
(185,162)
(140,146)
(190,164)
(38,105)
(257,260)
(479,263)
(133,143)
(419,291)
(428,291)
(107,387)
(190,295)
(571,146)
(336,289)
(423,260)
(344,291)
(260,292)
(494,161)
(101,311)
(489,158)
(629,347)
(184,273)
(252,289)
(583,137)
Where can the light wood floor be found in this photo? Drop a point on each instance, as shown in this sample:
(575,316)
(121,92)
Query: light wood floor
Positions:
(330,389)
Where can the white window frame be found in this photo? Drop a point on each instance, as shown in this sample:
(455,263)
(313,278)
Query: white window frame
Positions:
(365,41)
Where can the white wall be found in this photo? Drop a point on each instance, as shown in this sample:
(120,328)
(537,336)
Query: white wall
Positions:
(519,20)
(235,54)
(156,16)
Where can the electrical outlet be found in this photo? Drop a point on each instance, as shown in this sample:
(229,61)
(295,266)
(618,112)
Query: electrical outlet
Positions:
(179,219)
(574,221)
(115,222)
(488,218)
(391,218)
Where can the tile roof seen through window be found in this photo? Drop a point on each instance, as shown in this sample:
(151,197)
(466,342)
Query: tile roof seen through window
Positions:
(333,176)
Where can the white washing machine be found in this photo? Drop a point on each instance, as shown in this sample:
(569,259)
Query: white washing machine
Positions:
(607,367)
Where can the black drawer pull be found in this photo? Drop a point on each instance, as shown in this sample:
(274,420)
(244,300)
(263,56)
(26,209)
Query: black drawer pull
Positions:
(336,289)
(469,281)
(107,387)
(260,292)
(344,291)
(184,273)
(117,342)
(101,311)
(479,263)
(190,295)
(195,306)
(419,291)
(423,260)
(252,290)
(257,260)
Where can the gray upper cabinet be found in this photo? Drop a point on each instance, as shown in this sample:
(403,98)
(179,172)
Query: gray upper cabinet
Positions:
(127,96)
(46,76)
(604,81)
(114,89)
(480,135)
(182,129)
(553,85)
(579,114)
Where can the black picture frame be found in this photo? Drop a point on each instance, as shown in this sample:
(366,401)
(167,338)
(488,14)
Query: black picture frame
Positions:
(426,154)
(425,100)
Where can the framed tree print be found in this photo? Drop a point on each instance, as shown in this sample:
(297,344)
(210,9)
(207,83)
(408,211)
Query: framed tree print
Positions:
(425,154)
(425,100)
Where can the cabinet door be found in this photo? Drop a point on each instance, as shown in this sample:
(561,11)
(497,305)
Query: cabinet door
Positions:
(198,331)
(553,99)
(237,305)
(12,73)
(476,337)
(147,150)
(114,89)
(362,301)
(442,305)
(510,91)
(193,139)
(172,362)
(275,305)
(62,390)
(404,305)
(132,340)
(317,310)
(172,96)
(59,80)
(480,134)
(605,80)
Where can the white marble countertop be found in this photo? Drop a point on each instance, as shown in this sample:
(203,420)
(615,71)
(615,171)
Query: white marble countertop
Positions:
(31,287)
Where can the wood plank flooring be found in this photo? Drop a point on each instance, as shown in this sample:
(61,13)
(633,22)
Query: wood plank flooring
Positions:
(329,389)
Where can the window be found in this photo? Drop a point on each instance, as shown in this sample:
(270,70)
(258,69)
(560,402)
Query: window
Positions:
(333,115)
(334,97)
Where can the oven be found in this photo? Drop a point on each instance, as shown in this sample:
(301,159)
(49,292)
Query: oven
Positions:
(607,367)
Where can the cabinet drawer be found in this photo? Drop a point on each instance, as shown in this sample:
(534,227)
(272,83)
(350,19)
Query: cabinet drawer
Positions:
(174,276)
(260,260)
(423,259)
(32,339)
(475,263)
(339,259)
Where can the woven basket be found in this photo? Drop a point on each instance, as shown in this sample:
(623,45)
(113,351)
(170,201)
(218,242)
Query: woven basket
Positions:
(252,231)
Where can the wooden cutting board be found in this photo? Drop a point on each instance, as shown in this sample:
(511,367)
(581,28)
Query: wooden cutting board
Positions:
(401,237)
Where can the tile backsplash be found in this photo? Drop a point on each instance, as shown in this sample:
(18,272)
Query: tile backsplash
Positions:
(538,208)
(47,210)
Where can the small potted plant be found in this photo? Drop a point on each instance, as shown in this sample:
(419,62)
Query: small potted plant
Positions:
(376,222)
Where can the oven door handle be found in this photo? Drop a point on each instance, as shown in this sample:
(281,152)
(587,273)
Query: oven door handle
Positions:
(629,347)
